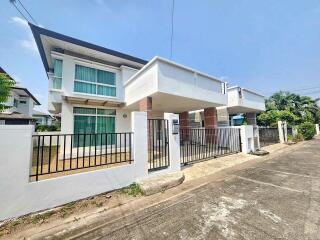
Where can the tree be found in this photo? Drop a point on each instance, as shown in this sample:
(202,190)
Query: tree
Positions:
(290,107)
(5,86)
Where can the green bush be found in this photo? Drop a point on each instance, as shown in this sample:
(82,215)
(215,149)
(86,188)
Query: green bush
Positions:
(307,130)
(298,137)
(47,128)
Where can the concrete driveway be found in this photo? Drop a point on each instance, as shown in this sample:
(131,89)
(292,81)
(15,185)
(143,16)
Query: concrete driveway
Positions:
(274,199)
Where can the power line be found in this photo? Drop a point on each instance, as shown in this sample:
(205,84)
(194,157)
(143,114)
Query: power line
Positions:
(25,9)
(172,15)
(28,12)
(14,4)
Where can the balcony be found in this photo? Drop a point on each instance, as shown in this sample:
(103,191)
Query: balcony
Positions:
(173,88)
(241,100)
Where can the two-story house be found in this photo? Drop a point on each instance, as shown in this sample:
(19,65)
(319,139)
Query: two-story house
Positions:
(94,89)
(20,106)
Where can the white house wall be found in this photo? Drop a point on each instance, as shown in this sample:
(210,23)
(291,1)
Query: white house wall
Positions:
(142,86)
(185,83)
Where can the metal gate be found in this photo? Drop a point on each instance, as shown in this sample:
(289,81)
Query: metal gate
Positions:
(199,144)
(268,136)
(158,144)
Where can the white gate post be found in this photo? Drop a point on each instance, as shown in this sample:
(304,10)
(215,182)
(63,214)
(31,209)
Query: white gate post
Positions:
(246,135)
(317,129)
(174,143)
(139,126)
(282,128)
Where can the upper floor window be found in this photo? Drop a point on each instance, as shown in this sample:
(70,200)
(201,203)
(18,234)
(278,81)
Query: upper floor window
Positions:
(94,81)
(15,102)
(57,74)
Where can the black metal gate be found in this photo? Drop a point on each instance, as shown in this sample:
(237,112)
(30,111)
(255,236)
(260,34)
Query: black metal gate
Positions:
(199,144)
(158,144)
(268,136)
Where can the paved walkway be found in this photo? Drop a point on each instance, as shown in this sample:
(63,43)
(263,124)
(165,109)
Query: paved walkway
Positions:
(274,199)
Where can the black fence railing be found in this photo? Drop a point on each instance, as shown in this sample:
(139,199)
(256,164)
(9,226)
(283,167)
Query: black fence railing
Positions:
(158,144)
(268,136)
(69,152)
(199,144)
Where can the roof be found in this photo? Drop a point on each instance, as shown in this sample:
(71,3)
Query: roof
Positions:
(3,71)
(28,94)
(38,32)
(14,115)
(38,113)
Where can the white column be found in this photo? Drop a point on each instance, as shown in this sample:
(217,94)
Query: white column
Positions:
(174,143)
(16,157)
(247,143)
(140,143)
(317,129)
(282,128)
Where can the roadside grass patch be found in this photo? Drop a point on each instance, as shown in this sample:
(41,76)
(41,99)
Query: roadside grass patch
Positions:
(133,190)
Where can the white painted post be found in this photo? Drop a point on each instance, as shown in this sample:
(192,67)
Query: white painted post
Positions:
(139,126)
(317,129)
(15,159)
(174,143)
(282,128)
(246,134)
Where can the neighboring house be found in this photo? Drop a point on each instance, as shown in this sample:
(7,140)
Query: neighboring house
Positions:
(240,101)
(42,118)
(95,89)
(21,103)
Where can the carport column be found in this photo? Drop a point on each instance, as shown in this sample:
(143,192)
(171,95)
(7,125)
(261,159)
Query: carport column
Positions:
(174,142)
(145,105)
(140,144)
(210,117)
(184,120)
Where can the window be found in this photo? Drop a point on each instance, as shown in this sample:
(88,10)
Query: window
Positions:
(23,102)
(93,120)
(15,102)
(57,74)
(94,81)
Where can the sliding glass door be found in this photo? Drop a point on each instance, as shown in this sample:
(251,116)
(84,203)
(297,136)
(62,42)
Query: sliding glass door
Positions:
(90,121)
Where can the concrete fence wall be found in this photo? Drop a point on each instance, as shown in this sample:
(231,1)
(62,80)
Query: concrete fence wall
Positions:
(19,196)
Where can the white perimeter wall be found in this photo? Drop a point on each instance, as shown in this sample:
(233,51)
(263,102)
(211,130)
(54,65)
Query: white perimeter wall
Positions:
(19,196)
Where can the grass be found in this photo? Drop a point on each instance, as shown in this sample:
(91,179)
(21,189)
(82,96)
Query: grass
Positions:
(132,190)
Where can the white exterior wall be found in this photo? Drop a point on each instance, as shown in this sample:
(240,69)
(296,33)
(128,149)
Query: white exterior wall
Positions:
(24,108)
(29,196)
(249,99)
(122,123)
(185,83)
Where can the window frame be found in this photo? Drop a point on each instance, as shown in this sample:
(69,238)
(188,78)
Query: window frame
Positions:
(95,83)
(56,77)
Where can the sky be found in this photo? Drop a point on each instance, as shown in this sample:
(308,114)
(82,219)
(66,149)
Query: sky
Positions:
(265,45)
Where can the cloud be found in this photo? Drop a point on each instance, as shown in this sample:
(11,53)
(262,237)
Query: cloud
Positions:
(28,43)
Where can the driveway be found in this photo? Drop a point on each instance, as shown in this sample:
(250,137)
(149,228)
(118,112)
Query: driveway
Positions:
(274,199)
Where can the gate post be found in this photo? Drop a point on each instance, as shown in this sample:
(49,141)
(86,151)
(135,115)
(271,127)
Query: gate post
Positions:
(317,129)
(282,128)
(140,143)
(174,143)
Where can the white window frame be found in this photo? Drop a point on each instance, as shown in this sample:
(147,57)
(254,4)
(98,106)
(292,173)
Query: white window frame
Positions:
(95,83)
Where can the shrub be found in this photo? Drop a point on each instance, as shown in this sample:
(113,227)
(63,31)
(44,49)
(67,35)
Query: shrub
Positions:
(298,137)
(307,130)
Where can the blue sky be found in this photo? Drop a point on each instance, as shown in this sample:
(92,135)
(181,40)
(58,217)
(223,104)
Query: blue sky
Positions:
(262,45)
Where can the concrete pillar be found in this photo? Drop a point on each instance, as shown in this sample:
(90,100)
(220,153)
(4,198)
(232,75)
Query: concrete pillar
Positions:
(317,129)
(145,105)
(174,143)
(282,128)
(140,143)
(210,117)
(252,120)
(246,135)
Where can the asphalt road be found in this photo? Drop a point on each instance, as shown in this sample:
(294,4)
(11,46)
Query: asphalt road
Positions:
(275,199)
